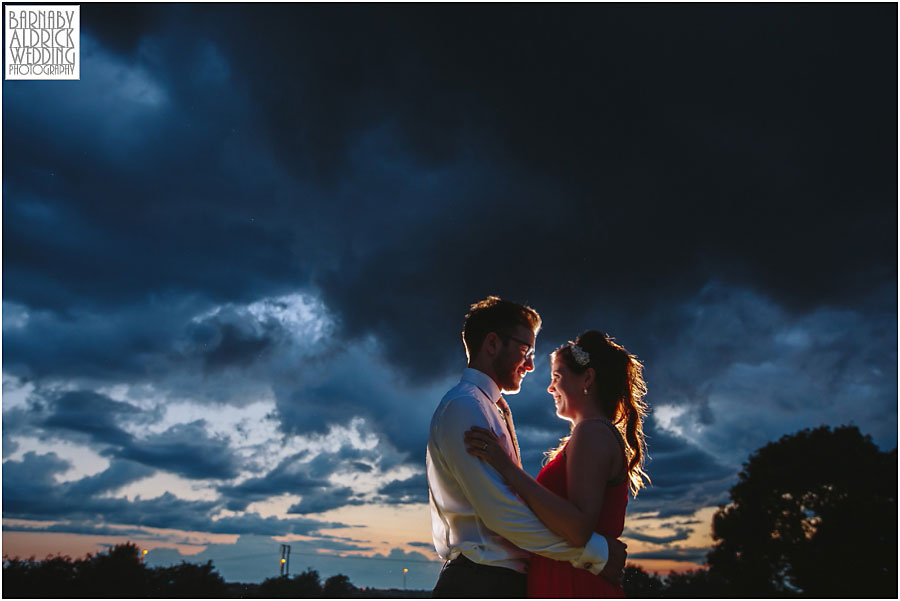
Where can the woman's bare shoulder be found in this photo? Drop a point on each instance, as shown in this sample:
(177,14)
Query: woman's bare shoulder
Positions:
(593,434)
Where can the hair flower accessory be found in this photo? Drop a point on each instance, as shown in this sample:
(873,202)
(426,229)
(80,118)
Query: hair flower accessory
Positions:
(581,356)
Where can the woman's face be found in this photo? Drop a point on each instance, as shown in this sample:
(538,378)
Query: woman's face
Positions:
(567,389)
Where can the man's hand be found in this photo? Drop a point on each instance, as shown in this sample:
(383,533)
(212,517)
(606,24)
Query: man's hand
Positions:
(616,563)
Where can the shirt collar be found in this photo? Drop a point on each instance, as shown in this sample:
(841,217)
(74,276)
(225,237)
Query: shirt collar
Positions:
(482,381)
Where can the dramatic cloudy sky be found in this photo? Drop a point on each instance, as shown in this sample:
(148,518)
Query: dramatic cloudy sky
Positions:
(237,254)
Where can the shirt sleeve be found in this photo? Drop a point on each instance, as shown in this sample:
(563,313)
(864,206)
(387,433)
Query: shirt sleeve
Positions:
(495,503)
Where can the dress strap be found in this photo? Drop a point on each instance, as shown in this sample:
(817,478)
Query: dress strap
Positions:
(615,430)
(621,441)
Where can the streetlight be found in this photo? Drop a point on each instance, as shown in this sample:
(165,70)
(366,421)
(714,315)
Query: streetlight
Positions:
(405,570)
(143,554)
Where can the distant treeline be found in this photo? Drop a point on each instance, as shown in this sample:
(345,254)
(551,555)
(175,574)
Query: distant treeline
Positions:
(812,515)
(120,573)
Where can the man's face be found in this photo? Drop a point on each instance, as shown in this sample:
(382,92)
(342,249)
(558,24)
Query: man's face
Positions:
(516,358)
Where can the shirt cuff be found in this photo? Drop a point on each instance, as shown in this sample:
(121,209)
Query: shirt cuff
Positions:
(594,556)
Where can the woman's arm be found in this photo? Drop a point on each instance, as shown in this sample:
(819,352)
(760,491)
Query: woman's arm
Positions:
(590,459)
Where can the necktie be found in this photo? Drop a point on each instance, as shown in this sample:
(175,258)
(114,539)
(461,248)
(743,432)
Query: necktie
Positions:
(507,417)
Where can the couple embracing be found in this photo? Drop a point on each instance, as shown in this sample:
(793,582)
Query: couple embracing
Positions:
(501,532)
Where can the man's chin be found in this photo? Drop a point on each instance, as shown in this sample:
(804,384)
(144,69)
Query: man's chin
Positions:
(512,387)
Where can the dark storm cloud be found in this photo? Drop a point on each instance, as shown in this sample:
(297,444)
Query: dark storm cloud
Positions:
(600,156)
(184,449)
(358,381)
(92,414)
(235,346)
(118,474)
(692,554)
(253,523)
(26,483)
(679,534)
(131,131)
(411,490)
(674,462)
(286,477)
(308,477)
(30,491)
(229,339)
(323,499)
(307,474)
(362,187)
(684,478)
(135,342)
(88,528)
(380,169)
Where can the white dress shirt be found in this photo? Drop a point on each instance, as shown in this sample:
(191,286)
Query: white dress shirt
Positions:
(473,510)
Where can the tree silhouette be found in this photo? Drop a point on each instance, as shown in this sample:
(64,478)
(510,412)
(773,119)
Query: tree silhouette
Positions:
(815,514)
(187,580)
(338,587)
(639,584)
(51,578)
(695,584)
(304,585)
(117,573)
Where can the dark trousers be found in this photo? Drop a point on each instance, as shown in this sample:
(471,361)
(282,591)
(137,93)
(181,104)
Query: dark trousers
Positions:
(462,578)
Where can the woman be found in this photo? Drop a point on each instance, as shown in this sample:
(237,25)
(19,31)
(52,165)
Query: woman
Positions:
(598,387)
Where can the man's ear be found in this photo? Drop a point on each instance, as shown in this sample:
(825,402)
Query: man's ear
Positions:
(492,344)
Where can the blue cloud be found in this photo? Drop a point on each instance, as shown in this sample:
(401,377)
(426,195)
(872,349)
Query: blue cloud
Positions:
(411,490)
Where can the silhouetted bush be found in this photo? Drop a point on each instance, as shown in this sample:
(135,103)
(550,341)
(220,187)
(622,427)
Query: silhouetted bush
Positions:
(337,587)
(53,577)
(304,586)
(694,584)
(187,580)
(640,584)
(117,573)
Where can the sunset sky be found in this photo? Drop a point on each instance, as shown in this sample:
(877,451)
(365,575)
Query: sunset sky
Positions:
(238,252)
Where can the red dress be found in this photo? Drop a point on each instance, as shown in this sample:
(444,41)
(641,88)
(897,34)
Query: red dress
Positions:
(550,578)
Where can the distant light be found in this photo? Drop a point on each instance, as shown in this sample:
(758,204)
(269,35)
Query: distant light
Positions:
(144,552)
(283,560)
(405,570)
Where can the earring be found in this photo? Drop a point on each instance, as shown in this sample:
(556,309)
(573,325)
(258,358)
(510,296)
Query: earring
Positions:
(585,392)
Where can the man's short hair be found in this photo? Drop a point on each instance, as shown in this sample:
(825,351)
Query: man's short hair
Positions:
(494,314)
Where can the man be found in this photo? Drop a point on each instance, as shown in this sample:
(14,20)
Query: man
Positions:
(480,527)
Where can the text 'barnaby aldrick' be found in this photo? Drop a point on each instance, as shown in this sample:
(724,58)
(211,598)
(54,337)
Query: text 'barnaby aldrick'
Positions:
(41,38)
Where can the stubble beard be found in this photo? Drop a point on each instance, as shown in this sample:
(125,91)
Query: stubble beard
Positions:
(511,383)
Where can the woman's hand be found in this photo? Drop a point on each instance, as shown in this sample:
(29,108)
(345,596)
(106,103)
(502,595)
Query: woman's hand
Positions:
(485,445)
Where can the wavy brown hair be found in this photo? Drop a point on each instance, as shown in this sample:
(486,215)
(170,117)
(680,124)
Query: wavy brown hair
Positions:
(619,388)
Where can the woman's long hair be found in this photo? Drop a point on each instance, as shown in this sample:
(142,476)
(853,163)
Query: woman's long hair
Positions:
(619,388)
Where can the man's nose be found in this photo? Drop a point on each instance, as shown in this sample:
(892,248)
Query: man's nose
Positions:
(529,364)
